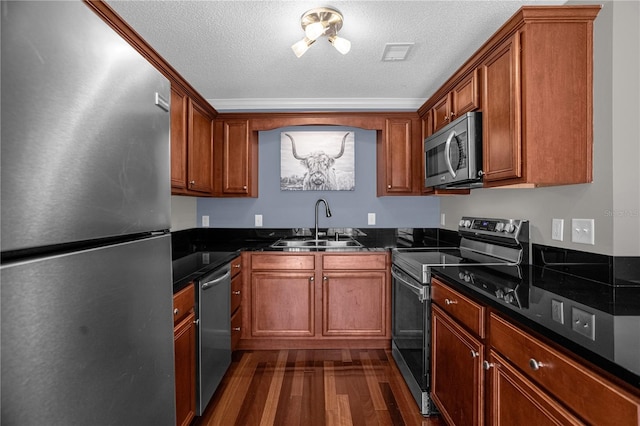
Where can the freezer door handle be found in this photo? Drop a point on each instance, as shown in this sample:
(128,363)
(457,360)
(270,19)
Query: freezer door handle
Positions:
(212,283)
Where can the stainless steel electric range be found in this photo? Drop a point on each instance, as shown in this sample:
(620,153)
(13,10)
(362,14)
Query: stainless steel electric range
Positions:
(495,246)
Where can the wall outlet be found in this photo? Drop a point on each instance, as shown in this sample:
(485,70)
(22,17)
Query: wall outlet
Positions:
(205,221)
(557,311)
(258,220)
(371,219)
(442,219)
(582,231)
(557,229)
(583,322)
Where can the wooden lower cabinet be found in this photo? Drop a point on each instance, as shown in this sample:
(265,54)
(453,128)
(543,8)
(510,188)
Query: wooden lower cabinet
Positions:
(457,383)
(308,299)
(515,400)
(184,340)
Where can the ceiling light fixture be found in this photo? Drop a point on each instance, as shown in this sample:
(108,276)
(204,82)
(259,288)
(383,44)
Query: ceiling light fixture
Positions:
(322,21)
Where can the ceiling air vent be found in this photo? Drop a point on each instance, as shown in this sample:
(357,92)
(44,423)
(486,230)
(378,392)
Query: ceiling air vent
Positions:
(396,51)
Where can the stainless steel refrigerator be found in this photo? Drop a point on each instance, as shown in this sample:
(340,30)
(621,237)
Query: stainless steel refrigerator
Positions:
(85,279)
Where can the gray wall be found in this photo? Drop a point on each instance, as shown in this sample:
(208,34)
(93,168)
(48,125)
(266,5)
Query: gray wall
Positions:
(295,209)
(613,199)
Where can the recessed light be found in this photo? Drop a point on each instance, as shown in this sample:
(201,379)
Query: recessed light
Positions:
(396,51)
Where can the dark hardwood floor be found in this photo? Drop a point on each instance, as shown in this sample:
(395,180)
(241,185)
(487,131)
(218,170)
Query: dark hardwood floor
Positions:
(312,387)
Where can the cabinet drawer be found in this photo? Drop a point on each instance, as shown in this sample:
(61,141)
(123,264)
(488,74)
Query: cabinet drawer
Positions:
(236,266)
(236,328)
(460,307)
(183,303)
(275,261)
(567,380)
(236,295)
(346,261)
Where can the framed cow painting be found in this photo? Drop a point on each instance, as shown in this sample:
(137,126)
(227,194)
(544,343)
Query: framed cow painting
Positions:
(317,161)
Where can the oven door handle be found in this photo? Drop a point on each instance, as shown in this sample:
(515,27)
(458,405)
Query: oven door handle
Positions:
(420,290)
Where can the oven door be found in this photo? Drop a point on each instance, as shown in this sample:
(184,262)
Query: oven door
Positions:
(411,336)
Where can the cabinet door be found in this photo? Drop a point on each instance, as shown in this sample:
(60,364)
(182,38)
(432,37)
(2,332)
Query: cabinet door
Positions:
(465,96)
(354,303)
(441,112)
(200,149)
(185,370)
(515,400)
(179,108)
(501,106)
(398,157)
(282,304)
(457,384)
(235,157)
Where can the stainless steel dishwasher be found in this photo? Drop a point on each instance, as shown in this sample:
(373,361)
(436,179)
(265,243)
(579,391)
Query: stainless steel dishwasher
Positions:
(214,333)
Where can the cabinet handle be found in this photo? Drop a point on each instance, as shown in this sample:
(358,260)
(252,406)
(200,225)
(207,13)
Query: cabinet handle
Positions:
(237,266)
(236,292)
(487,365)
(244,187)
(474,354)
(312,278)
(235,329)
(325,278)
(535,365)
(176,311)
(388,186)
(453,114)
(450,301)
(192,182)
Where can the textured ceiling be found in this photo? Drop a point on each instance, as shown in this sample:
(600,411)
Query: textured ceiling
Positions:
(238,55)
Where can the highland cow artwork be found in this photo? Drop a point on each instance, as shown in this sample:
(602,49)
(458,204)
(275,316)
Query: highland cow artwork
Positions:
(317,161)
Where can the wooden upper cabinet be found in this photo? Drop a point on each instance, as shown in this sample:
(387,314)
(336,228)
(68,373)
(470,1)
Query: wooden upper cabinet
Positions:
(398,158)
(235,159)
(464,97)
(179,109)
(537,100)
(191,146)
(501,113)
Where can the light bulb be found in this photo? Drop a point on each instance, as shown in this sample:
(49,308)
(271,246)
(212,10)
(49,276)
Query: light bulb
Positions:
(342,45)
(302,46)
(315,30)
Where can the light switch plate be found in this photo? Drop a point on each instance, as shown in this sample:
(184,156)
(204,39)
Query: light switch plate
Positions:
(371,219)
(442,219)
(582,231)
(258,220)
(205,221)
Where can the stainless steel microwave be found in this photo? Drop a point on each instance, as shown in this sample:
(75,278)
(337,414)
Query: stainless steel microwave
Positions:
(453,155)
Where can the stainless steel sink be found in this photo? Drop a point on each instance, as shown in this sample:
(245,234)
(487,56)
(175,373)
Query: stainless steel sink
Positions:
(309,244)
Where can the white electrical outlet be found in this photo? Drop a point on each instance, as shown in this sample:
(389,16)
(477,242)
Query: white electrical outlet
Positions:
(557,311)
(371,219)
(582,231)
(205,221)
(258,220)
(557,229)
(442,219)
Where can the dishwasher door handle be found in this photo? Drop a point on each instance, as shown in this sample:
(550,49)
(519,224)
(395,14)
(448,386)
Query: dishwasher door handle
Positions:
(212,283)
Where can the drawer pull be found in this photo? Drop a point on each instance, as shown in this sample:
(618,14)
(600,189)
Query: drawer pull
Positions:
(236,329)
(176,311)
(450,301)
(487,365)
(535,365)
(236,292)
(474,354)
(237,266)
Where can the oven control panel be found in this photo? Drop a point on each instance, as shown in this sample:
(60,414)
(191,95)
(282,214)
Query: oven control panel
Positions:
(511,228)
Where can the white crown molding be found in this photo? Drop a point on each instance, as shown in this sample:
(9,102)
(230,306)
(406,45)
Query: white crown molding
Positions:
(319,104)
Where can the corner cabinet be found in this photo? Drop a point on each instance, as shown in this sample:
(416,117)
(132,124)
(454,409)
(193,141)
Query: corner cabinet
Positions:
(235,159)
(537,90)
(191,146)
(399,156)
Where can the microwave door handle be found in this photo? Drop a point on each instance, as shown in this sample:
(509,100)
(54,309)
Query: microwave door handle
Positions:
(447,156)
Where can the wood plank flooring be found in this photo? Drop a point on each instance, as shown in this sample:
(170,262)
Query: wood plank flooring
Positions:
(312,387)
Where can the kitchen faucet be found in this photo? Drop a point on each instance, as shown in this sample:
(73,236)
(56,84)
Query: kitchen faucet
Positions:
(327,212)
